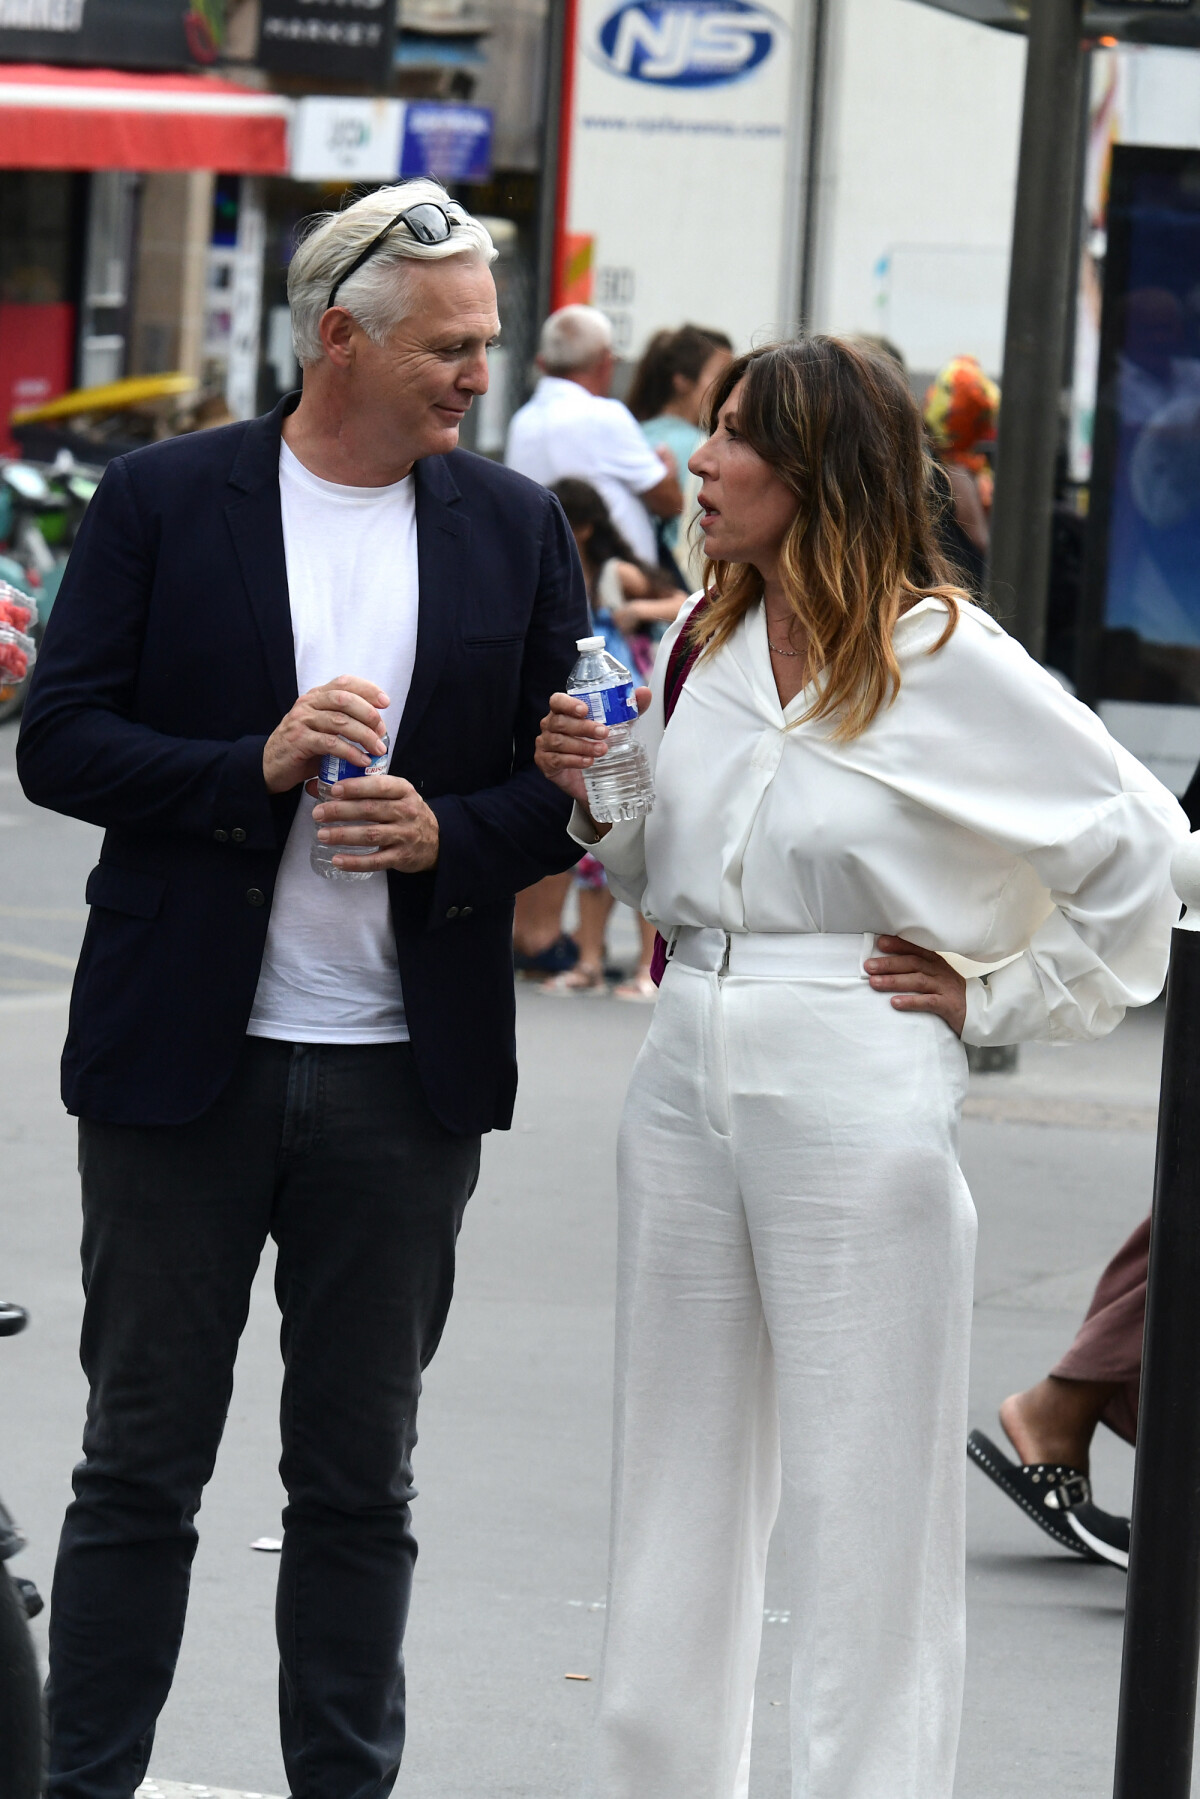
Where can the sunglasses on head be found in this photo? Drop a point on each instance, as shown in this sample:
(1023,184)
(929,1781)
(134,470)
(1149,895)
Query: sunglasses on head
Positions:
(428,222)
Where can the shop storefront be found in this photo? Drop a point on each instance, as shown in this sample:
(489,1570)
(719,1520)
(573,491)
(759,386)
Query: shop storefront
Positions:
(112,221)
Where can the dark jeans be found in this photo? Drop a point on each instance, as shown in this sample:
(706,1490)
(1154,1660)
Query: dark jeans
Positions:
(334,1153)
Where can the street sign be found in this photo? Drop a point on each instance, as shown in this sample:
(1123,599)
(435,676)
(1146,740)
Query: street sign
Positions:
(336,138)
(346,139)
(447,140)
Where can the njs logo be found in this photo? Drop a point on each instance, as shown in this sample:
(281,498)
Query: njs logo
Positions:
(687,43)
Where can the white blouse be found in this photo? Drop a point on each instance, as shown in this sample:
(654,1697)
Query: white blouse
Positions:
(985,814)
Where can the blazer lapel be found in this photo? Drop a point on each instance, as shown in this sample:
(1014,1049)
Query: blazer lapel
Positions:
(256,526)
(443,552)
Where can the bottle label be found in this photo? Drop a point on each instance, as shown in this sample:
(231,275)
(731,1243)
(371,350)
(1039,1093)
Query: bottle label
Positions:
(333,769)
(609,705)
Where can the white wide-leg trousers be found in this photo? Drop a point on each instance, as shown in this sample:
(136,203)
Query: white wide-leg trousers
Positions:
(794,1295)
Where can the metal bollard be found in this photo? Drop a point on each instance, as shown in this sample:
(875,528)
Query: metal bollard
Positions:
(1156,1716)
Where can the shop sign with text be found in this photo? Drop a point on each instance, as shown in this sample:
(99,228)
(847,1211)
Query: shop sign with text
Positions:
(696,107)
(341,40)
(117,34)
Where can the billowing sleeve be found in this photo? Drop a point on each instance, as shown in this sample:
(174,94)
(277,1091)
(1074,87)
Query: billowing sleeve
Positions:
(1027,767)
(623,849)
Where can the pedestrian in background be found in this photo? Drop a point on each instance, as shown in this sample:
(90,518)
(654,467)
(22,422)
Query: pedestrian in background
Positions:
(667,396)
(961,409)
(255,1051)
(862,770)
(571,427)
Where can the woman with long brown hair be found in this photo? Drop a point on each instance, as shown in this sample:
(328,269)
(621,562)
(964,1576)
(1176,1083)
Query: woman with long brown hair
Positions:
(863,775)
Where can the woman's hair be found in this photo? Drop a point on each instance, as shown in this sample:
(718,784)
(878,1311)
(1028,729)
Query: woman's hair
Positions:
(837,423)
(584,506)
(670,353)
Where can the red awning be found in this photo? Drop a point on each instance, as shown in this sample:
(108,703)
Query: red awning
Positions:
(53,118)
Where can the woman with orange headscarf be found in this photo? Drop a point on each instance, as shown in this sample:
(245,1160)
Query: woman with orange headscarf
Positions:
(961,404)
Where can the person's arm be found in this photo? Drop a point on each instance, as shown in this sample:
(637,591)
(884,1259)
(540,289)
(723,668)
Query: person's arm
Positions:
(968,507)
(567,744)
(623,453)
(501,839)
(1005,753)
(648,612)
(665,499)
(81,751)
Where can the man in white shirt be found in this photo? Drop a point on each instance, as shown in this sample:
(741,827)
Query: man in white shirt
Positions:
(256,1051)
(571,428)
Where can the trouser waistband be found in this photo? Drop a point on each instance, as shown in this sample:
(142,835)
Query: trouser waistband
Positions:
(775,955)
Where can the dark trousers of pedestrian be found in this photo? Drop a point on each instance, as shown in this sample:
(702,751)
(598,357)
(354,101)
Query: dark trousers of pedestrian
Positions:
(1108,1344)
(333,1152)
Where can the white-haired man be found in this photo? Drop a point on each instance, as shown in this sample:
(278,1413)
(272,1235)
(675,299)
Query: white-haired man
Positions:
(257,1051)
(571,428)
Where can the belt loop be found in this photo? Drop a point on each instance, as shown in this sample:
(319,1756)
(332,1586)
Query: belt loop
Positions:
(869,948)
(724,968)
(670,940)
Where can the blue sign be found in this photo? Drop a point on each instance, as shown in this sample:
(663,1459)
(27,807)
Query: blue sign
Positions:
(449,141)
(687,43)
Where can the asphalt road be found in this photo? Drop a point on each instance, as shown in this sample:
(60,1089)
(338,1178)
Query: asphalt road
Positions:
(512,1463)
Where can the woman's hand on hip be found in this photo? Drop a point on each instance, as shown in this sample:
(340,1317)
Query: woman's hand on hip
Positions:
(571,740)
(919,980)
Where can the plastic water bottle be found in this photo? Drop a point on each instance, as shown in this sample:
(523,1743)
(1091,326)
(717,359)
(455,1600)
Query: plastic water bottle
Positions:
(320,858)
(619,785)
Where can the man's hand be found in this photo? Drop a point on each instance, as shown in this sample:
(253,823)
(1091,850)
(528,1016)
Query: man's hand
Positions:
(385,812)
(340,719)
(920,980)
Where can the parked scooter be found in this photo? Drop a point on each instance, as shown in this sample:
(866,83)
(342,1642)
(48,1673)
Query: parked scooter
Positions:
(22,1732)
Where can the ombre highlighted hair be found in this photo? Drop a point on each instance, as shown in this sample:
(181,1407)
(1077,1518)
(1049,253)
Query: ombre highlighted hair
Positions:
(837,423)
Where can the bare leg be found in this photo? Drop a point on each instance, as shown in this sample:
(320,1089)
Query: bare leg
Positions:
(1056,1420)
(647,932)
(538,919)
(595,904)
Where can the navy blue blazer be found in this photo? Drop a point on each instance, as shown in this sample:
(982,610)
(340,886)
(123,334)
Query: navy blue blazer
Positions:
(167,663)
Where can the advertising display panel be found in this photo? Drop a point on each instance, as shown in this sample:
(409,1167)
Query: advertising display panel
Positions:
(1143,599)
(681,186)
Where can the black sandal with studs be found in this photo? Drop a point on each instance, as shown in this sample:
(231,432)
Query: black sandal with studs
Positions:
(1047,1492)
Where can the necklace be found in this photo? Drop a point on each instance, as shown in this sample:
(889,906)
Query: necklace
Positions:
(776,651)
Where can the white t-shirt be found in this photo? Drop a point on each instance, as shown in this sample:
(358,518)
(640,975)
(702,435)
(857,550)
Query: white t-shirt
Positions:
(329,971)
(566,431)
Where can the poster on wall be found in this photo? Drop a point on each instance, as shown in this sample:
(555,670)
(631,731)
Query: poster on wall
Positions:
(680,191)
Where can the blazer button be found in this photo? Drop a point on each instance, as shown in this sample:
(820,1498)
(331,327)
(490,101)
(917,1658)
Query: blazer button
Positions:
(255,896)
(452,912)
(466,912)
(238,835)
(221,836)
